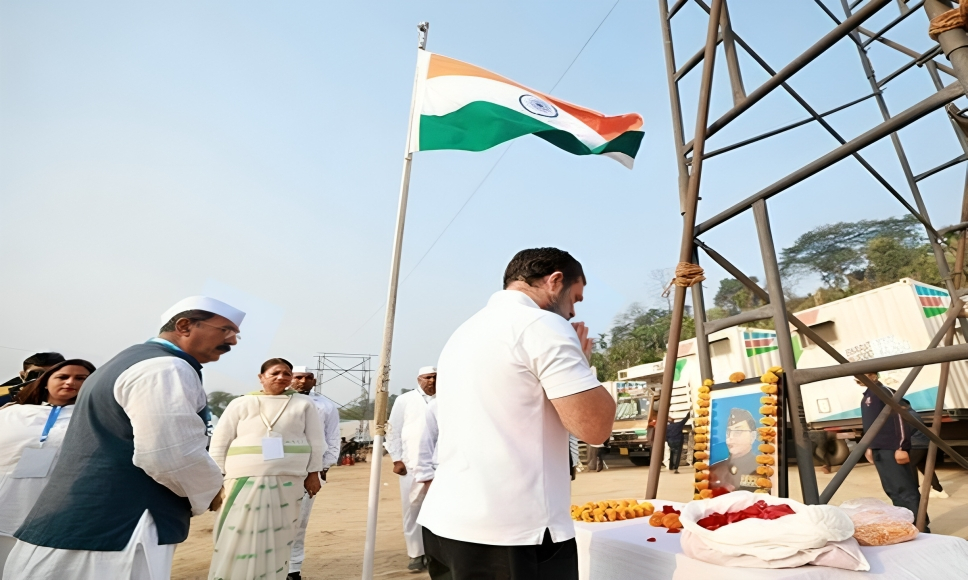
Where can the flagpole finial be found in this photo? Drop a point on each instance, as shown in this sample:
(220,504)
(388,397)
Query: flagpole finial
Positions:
(423,28)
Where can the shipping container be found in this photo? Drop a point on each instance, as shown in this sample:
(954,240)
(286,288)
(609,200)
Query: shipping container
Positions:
(893,319)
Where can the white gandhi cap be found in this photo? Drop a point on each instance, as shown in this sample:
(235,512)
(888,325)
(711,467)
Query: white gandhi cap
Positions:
(302,369)
(427,371)
(208,305)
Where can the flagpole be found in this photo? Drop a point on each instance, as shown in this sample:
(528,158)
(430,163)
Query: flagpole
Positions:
(383,375)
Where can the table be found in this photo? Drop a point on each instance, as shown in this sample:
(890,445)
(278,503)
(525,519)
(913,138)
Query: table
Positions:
(621,551)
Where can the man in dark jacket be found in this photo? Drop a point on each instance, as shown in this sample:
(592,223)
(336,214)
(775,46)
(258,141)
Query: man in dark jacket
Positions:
(674,438)
(889,451)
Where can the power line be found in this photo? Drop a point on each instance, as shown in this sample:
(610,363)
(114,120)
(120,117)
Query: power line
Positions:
(490,171)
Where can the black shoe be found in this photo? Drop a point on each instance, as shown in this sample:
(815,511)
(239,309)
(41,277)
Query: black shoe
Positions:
(418,564)
(294,576)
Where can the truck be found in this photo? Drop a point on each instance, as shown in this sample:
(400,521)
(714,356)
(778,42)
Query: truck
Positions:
(894,319)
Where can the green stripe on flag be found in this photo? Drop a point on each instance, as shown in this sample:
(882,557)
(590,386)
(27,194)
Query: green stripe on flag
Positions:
(929,312)
(481,125)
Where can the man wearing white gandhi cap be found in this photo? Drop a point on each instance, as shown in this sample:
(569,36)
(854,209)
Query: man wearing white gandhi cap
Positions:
(405,429)
(134,466)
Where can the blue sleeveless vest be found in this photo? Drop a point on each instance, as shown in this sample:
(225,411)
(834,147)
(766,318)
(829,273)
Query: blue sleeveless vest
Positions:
(96,495)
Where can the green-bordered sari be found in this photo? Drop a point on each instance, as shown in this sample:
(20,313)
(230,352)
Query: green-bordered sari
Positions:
(255,528)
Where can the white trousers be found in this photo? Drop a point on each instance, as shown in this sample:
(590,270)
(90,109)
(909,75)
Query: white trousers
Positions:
(299,542)
(412,531)
(142,559)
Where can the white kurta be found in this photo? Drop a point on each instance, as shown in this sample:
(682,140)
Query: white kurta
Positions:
(21,427)
(162,397)
(427,455)
(329,415)
(406,424)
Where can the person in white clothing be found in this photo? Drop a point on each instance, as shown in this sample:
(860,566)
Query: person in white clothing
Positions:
(134,467)
(427,456)
(270,445)
(515,380)
(35,424)
(303,381)
(406,424)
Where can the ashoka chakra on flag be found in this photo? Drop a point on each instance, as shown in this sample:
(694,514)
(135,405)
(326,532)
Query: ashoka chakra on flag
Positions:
(461,106)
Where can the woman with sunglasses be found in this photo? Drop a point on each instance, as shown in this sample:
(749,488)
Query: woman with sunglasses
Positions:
(270,445)
(31,433)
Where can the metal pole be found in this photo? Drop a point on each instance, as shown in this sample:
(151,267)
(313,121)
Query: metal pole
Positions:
(939,255)
(675,102)
(685,252)
(830,39)
(808,477)
(930,460)
(897,122)
(953,43)
(383,377)
(732,62)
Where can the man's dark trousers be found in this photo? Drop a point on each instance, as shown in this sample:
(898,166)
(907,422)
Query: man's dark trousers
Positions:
(457,560)
(675,455)
(900,482)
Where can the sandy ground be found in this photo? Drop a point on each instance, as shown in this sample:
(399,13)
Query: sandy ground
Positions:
(334,541)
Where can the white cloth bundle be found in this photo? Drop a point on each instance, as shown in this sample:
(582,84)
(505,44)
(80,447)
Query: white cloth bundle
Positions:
(817,534)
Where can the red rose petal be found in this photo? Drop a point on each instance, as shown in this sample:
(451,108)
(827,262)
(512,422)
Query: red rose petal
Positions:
(650,540)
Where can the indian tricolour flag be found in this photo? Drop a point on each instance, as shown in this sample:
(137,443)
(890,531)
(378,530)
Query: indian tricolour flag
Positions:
(461,106)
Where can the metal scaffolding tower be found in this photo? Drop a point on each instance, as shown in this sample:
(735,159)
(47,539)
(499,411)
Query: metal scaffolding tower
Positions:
(357,370)
(847,24)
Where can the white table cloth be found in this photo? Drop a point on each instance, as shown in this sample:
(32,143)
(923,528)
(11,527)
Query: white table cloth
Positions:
(621,550)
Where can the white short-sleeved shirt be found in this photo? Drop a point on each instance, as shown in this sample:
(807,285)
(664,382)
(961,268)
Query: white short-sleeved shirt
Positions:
(503,477)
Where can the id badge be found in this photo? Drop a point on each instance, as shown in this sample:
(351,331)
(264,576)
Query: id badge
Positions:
(272,448)
(34,463)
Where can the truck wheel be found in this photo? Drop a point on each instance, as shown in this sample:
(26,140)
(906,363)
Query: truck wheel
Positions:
(640,461)
(841,451)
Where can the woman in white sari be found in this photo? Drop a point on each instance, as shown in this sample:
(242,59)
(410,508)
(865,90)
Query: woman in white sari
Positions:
(269,444)
(33,427)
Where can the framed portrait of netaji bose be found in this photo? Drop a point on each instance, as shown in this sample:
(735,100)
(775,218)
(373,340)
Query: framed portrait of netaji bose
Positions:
(739,458)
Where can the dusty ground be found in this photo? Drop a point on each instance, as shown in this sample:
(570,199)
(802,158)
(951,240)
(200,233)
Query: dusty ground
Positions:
(334,542)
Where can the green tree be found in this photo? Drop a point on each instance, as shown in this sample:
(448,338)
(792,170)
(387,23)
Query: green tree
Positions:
(734,297)
(218,400)
(838,252)
(889,260)
(639,336)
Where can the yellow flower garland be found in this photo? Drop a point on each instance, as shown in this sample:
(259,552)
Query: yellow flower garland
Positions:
(767,433)
(701,437)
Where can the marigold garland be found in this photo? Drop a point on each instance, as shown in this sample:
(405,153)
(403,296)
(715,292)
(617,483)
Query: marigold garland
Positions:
(767,433)
(701,438)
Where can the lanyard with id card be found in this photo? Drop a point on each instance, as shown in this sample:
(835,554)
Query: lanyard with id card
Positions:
(37,461)
(272,447)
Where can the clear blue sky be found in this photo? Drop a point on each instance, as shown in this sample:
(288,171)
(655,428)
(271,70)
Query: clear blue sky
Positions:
(253,150)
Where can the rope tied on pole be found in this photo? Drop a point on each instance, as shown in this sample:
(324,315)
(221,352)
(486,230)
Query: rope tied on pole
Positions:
(950,20)
(688,274)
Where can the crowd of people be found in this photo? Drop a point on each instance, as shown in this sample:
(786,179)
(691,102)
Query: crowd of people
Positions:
(102,469)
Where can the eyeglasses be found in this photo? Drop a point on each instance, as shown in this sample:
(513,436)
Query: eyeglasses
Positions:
(229,332)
